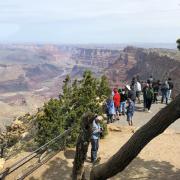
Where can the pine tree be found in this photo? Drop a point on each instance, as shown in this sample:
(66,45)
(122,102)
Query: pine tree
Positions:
(178,44)
(77,98)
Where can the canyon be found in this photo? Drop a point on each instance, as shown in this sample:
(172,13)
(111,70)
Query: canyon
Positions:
(33,73)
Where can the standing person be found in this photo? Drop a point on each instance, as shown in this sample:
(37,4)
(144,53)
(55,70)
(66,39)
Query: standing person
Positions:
(156,91)
(117,99)
(130,111)
(138,91)
(132,94)
(145,89)
(110,110)
(123,102)
(134,84)
(149,97)
(171,86)
(164,91)
(95,136)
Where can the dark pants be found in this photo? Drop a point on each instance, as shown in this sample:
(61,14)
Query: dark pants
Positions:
(110,118)
(145,102)
(155,97)
(148,103)
(94,149)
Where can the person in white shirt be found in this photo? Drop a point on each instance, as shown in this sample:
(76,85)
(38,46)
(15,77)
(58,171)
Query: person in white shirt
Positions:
(138,91)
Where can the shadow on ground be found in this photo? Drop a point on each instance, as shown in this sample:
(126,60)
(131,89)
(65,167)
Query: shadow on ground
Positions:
(69,154)
(139,169)
(149,170)
(58,169)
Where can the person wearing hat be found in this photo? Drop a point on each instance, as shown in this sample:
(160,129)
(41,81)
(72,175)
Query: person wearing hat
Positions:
(95,136)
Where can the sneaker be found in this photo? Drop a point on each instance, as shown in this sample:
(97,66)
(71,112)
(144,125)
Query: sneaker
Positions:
(96,161)
(149,111)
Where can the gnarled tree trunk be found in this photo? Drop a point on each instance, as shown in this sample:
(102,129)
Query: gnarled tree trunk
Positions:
(137,142)
(82,147)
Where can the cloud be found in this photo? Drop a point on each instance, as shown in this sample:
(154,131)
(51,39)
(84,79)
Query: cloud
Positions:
(53,10)
(101,20)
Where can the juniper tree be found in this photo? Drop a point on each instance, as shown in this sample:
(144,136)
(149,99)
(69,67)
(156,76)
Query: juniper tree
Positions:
(178,44)
(77,98)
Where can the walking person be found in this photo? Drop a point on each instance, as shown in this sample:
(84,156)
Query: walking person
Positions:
(164,91)
(95,136)
(130,111)
(117,99)
(110,110)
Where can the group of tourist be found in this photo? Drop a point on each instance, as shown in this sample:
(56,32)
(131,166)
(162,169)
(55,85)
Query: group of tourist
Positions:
(122,102)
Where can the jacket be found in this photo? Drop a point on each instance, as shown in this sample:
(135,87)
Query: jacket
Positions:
(110,107)
(96,130)
(117,99)
(131,108)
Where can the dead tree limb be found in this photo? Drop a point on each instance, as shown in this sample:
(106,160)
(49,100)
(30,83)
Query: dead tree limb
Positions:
(82,147)
(137,142)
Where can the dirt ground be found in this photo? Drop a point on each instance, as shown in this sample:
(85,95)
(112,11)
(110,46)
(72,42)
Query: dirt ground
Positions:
(159,160)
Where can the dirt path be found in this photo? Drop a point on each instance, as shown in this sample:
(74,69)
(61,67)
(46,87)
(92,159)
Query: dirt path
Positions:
(140,117)
(159,160)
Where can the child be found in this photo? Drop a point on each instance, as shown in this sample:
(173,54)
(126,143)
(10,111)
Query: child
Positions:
(110,109)
(130,111)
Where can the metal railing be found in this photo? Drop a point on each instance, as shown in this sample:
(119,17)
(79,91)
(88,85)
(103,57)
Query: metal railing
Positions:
(40,154)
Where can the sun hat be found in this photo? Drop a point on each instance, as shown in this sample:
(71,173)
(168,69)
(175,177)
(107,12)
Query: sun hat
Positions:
(128,87)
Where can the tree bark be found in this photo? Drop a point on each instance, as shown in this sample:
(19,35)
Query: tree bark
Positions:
(78,172)
(137,142)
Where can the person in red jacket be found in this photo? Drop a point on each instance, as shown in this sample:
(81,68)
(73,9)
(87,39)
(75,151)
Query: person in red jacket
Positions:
(117,99)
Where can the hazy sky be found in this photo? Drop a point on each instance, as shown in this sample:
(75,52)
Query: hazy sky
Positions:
(89,21)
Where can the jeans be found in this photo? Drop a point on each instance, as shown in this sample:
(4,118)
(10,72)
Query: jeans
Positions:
(94,149)
(129,116)
(123,107)
(164,96)
(169,93)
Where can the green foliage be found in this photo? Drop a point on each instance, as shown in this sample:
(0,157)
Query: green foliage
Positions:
(104,89)
(78,97)
(178,44)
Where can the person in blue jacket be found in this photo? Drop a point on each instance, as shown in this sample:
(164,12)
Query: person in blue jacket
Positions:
(110,110)
(95,136)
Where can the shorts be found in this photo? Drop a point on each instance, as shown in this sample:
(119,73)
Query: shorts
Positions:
(129,117)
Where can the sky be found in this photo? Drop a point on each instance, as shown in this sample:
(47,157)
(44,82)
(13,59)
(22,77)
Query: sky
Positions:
(89,21)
